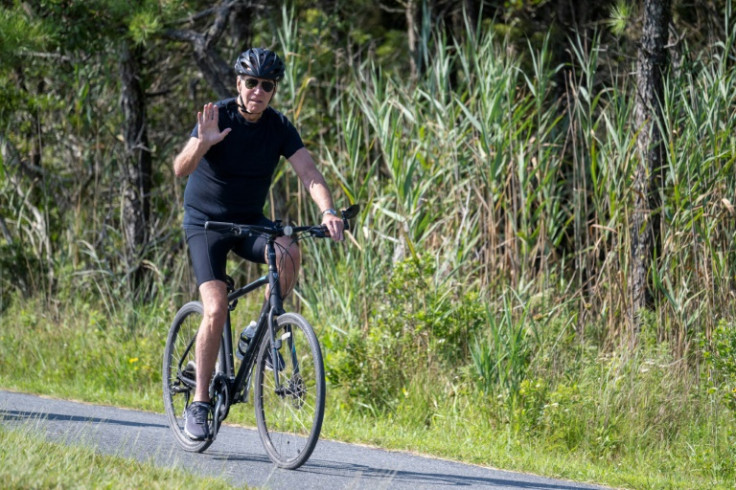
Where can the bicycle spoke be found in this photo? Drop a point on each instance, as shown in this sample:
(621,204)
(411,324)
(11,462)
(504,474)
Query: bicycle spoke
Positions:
(290,417)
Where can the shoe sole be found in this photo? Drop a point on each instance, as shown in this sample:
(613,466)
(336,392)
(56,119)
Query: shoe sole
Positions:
(192,437)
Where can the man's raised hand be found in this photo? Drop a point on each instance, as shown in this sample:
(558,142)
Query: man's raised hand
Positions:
(208,128)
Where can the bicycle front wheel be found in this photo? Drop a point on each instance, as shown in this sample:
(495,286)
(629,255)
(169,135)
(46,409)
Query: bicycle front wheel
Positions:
(290,413)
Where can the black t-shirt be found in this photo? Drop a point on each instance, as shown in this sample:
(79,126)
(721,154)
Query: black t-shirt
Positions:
(231,182)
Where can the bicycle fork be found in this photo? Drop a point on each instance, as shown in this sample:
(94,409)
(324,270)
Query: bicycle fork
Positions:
(277,308)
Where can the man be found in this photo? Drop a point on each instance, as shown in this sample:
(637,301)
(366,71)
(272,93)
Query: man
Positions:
(230,160)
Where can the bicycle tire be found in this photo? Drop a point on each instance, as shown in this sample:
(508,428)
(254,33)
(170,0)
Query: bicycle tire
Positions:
(289,423)
(179,351)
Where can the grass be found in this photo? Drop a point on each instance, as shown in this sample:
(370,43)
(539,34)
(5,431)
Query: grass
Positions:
(616,420)
(27,460)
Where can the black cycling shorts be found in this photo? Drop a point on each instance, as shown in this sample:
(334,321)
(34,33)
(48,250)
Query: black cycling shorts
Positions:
(208,249)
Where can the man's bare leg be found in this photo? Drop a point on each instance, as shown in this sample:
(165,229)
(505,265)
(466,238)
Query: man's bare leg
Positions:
(288,261)
(214,299)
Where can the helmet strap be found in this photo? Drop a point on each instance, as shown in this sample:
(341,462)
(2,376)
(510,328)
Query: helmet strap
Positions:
(241,106)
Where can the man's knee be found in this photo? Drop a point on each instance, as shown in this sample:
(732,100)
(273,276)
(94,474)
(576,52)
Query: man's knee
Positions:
(214,301)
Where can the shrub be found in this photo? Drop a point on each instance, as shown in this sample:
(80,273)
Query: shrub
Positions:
(421,322)
(720,359)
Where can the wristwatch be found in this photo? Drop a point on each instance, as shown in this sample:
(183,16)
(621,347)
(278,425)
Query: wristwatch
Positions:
(331,211)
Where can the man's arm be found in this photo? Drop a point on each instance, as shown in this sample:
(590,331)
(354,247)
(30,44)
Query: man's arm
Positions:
(313,180)
(187,160)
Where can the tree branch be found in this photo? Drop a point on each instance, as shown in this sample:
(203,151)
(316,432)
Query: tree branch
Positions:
(214,33)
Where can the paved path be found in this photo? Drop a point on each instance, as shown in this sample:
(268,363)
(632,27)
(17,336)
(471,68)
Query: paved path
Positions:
(238,456)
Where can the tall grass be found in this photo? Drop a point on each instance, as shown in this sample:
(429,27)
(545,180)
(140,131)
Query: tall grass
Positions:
(512,182)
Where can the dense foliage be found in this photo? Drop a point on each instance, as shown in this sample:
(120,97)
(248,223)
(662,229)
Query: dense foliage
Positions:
(493,158)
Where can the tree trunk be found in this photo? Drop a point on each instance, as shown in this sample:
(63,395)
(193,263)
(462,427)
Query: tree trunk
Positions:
(645,231)
(413,25)
(137,166)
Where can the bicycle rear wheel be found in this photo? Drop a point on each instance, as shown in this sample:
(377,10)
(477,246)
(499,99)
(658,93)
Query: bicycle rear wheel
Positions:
(179,372)
(290,415)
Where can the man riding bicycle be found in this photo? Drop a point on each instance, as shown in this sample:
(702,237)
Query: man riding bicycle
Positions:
(230,159)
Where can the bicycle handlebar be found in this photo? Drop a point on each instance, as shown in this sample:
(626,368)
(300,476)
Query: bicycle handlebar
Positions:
(317,231)
(277,230)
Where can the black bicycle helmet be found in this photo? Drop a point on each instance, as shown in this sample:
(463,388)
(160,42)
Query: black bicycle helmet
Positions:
(260,63)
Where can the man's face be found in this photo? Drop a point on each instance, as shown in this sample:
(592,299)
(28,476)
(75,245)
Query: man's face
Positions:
(254,94)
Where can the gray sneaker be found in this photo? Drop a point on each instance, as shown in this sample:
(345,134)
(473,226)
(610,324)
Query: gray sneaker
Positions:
(195,421)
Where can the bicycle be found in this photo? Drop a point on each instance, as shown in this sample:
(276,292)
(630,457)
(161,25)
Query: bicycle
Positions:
(289,393)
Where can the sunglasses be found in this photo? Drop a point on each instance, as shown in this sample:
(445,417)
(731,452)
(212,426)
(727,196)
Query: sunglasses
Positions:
(251,83)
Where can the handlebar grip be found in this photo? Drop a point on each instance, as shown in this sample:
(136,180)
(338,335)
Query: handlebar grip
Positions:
(319,231)
(211,225)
